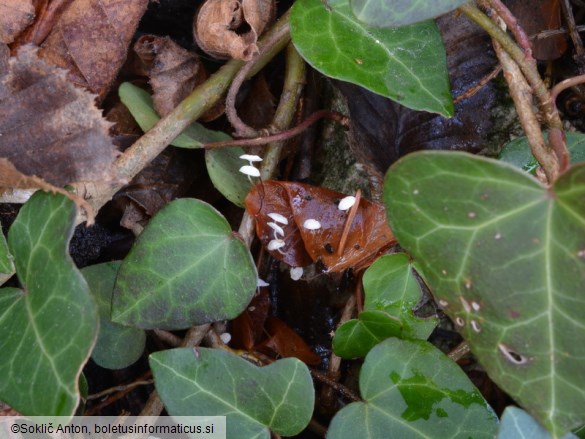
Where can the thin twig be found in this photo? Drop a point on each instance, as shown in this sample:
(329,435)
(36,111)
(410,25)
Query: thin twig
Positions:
(575,37)
(242,129)
(563,85)
(123,388)
(348,222)
(284,135)
(472,91)
(512,23)
(340,388)
(460,351)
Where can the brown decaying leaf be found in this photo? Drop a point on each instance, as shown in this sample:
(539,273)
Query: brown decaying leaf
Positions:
(230,28)
(368,236)
(285,342)
(11,178)
(49,127)
(248,328)
(174,72)
(91,40)
(15,16)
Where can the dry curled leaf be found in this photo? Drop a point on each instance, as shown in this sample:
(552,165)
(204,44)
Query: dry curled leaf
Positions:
(315,226)
(173,71)
(91,40)
(15,16)
(50,128)
(230,28)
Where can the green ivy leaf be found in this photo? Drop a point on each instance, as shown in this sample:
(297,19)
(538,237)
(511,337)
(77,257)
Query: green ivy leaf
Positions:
(186,268)
(516,423)
(212,382)
(406,64)
(518,153)
(47,329)
(506,259)
(413,390)
(401,12)
(223,166)
(391,288)
(140,105)
(356,337)
(117,346)
(6,261)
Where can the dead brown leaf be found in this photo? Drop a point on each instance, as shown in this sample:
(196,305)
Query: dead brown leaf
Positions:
(91,40)
(174,72)
(230,28)
(15,16)
(50,128)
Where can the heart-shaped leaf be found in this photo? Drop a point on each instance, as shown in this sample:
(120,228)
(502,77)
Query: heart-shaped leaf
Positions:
(516,423)
(401,12)
(140,105)
(186,268)
(47,329)
(223,166)
(356,337)
(406,64)
(391,293)
(117,346)
(211,382)
(518,152)
(6,261)
(412,390)
(506,259)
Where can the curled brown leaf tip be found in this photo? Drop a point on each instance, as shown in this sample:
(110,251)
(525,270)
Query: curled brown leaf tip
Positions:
(230,28)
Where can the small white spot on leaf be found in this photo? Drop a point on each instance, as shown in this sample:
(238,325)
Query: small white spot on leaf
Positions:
(415,192)
(497,236)
(278,218)
(512,356)
(312,224)
(471,214)
(475,326)
(275,244)
(225,337)
(443,303)
(459,321)
(296,273)
(346,203)
(475,306)
(465,304)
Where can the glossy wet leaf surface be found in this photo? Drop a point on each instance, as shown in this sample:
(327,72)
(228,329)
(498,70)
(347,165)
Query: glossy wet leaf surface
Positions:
(186,268)
(413,390)
(518,153)
(400,12)
(369,233)
(405,64)
(6,262)
(517,424)
(48,328)
(391,293)
(199,382)
(505,258)
(117,346)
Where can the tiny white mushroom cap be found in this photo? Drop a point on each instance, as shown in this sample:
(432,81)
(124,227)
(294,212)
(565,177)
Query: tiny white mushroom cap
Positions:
(225,337)
(278,218)
(296,273)
(346,203)
(275,244)
(261,283)
(251,157)
(312,224)
(250,170)
(276,228)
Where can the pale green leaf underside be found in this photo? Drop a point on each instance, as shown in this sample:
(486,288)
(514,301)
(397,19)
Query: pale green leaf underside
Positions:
(401,12)
(507,259)
(213,382)
(47,332)
(223,166)
(186,268)
(117,346)
(406,64)
(517,424)
(412,390)
(6,262)
(139,103)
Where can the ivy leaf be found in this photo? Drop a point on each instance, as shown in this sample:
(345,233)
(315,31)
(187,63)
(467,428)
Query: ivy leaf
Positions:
(223,165)
(6,261)
(413,390)
(391,293)
(186,268)
(401,12)
(213,382)
(406,64)
(140,105)
(518,153)
(505,256)
(516,423)
(47,329)
(117,346)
